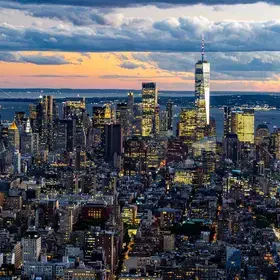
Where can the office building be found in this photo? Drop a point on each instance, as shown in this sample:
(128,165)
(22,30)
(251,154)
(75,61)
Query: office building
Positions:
(231,147)
(149,104)
(29,141)
(74,108)
(31,246)
(137,120)
(227,120)
(169,109)
(13,137)
(123,118)
(65,135)
(262,132)
(113,141)
(187,125)
(135,156)
(202,94)
(243,124)
(163,121)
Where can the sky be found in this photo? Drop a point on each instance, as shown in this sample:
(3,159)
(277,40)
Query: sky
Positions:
(117,44)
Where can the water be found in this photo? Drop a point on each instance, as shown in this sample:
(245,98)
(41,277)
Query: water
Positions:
(34,93)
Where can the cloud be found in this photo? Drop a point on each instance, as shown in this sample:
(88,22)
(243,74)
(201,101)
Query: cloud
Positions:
(224,66)
(38,59)
(131,65)
(171,35)
(128,3)
(55,76)
(135,77)
(79,16)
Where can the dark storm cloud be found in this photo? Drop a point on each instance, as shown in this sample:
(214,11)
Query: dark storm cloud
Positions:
(38,59)
(128,3)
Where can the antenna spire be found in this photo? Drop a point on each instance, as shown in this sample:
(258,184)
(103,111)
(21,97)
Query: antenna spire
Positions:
(202,48)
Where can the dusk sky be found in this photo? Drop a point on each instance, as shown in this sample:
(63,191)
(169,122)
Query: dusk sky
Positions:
(101,44)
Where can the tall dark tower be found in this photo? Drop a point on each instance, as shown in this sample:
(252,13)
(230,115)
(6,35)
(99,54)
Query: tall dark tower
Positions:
(169,109)
(227,121)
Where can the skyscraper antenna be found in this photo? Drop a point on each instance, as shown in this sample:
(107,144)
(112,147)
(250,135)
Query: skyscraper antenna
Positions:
(202,48)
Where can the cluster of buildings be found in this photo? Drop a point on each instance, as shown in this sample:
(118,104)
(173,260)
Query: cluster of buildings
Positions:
(126,192)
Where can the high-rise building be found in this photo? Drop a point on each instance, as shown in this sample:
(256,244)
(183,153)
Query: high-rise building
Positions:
(130,99)
(137,120)
(80,135)
(163,121)
(44,121)
(95,238)
(227,120)
(98,115)
(32,112)
(262,132)
(275,143)
(13,137)
(122,118)
(176,150)
(74,108)
(243,124)
(202,92)
(130,111)
(149,104)
(169,109)
(231,147)
(19,117)
(187,125)
(102,115)
(65,135)
(31,246)
(113,141)
(29,141)
(17,162)
(233,261)
(156,122)
(135,156)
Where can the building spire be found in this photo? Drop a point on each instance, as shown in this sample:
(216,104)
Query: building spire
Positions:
(28,126)
(202,48)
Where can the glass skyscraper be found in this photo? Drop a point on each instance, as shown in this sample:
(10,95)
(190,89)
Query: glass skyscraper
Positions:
(202,91)
(149,104)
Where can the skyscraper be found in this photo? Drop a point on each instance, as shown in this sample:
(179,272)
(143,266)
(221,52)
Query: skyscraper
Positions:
(130,112)
(169,109)
(44,121)
(242,124)
(65,135)
(122,117)
(130,102)
(74,108)
(231,147)
(227,120)
(187,125)
(149,104)
(135,156)
(202,93)
(262,132)
(29,141)
(13,137)
(113,140)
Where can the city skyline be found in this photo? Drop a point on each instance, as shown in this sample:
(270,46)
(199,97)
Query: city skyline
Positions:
(95,46)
